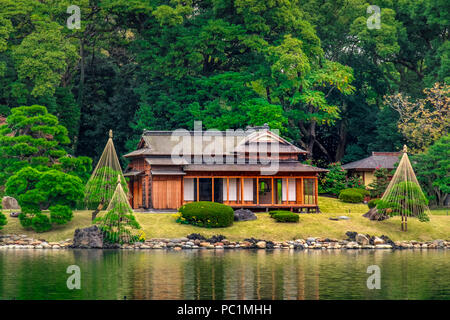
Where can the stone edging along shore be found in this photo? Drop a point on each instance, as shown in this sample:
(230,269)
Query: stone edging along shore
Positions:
(359,242)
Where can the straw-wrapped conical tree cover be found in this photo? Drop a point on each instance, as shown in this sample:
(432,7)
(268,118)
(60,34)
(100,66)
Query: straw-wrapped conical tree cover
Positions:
(118,223)
(103,181)
(403,196)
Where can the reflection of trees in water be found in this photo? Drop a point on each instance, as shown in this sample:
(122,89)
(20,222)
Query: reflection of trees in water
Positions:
(208,274)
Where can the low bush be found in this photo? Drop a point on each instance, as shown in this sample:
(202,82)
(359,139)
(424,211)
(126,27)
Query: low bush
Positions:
(60,214)
(372,203)
(40,223)
(363,192)
(3,220)
(206,214)
(350,196)
(285,216)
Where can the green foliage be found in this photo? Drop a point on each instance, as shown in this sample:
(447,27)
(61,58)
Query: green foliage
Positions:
(334,180)
(379,185)
(355,182)
(40,223)
(60,214)
(207,214)
(284,216)
(372,203)
(361,191)
(36,191)
(351,196)
(163,64)
(34,138)
(433,168)
(100,188)
(3,219)
(119,224)
(25,219)
(405,198)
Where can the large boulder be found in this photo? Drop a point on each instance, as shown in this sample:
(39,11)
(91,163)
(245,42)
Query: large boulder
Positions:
(244,215)
(362,239)
(87,238)
(9,203)
(373,214)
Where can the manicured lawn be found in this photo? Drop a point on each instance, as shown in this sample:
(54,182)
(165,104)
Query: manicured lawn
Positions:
(317,225)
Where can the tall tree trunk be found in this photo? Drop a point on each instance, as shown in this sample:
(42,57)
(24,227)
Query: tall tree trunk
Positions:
(82,75)
(80,91)
(342,131)
(311,139)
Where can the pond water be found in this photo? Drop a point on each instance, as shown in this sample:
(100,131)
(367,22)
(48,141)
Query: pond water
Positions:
(205,274)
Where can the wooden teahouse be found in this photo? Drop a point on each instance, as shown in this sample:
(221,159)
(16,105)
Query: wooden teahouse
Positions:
(255,169)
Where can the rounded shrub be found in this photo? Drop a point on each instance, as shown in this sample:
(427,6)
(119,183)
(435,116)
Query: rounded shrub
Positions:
(3,220)
(372,203)
(363,192)
(60,214)
(25,220)
(351,196)
(285,216)
(206,214)
(41,223)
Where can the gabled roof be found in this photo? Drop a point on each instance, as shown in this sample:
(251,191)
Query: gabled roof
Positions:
(266,140)
(164,143)
(376,160)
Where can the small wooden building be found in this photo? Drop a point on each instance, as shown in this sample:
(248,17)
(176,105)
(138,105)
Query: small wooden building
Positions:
(365,168)
(233,170)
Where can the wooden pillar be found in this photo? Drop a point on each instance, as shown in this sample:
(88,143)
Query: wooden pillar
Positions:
(182,191)
(212,187)
(287,190)
(273,190)
(242,190)
(257,190)
(228,189)
(316,191)
(302,193)
(198,189)
(147,188)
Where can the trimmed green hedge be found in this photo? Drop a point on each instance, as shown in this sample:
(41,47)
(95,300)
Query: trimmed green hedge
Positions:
(206,214)
(351,196)
(363,192)
(284,216)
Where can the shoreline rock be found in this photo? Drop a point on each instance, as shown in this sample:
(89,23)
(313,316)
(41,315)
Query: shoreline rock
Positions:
(21,242)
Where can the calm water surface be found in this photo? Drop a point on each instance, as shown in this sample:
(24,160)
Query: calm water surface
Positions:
(41,274)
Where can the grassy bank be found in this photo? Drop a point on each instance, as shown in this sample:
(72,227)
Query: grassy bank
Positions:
(316,225)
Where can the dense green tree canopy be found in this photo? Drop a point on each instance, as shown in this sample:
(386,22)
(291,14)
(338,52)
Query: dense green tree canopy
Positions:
(32,137)
(310,68)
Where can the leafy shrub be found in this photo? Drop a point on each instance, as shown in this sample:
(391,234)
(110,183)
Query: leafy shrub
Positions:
(3,220)
(40,190)
(206,214)
(272,213)
(372,203)
(363,192)
(405,198)
(355,182)
(286,216)
(334,180)
(379,185)
(40,223)
(351,196)
(25,220)
(60,214)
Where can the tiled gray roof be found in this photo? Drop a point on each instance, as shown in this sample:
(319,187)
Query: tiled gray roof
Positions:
(374,161)
(158,143)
